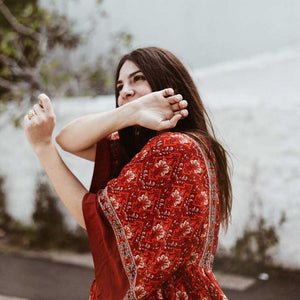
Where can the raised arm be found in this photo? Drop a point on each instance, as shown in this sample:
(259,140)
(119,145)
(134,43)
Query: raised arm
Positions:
(81,135)
(153,111)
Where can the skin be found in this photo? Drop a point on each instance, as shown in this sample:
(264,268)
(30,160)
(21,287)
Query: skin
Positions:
(155,110)
(73,137)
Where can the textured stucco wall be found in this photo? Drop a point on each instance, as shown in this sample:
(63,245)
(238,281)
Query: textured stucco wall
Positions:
(255,105)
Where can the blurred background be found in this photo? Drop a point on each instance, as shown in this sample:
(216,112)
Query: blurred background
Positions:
(244,57)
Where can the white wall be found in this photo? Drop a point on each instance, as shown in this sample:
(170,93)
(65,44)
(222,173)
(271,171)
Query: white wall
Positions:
(255,105)
(200,32)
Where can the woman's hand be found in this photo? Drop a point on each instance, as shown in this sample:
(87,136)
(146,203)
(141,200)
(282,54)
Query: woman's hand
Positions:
(160,110)
(39,123)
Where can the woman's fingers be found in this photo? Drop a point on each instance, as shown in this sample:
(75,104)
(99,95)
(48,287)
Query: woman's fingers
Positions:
(170,123)
(45,103)
(179,105)
(39,122)
(41,103)
(167,92)
(42,111)
(174,99)
(38,110)
(184,113)
(161,110)
(31,114)
(26,121)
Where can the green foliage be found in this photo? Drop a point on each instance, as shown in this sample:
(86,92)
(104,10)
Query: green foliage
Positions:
(9,228)
(5,219)
(251,252)
(47,218)
(48,231)
(253,246)
(35,56)
(28,34)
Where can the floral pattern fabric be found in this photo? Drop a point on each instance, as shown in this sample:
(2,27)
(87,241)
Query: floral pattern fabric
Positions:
(164,211)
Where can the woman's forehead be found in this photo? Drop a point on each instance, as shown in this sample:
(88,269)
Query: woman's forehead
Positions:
(127,68)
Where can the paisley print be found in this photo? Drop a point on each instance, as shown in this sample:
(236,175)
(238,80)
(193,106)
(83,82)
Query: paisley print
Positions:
(164,211)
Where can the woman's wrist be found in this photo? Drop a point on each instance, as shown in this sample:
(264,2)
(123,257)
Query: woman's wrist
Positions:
(129,114)
(43,149)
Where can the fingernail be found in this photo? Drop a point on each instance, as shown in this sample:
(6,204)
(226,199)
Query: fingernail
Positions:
(43,95)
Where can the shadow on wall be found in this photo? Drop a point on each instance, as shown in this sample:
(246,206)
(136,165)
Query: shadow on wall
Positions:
(251,253)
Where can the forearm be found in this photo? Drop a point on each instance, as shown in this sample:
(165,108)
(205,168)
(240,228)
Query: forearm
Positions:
(86,131)
(67,186)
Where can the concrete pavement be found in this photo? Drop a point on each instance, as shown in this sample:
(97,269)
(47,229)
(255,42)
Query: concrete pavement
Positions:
(59,276)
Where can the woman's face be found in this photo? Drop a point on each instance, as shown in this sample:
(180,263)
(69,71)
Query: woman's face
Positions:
(131,83)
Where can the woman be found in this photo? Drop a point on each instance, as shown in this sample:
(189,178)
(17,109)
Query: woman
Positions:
(160,187)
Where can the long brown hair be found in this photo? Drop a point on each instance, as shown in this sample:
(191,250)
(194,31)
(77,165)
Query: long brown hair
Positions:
(162,69)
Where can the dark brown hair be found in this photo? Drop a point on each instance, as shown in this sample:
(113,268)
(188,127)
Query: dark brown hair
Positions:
(162,69)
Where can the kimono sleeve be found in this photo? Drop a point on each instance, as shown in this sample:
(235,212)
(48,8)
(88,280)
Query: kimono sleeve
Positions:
(110,279)
(155,209)
(106,159)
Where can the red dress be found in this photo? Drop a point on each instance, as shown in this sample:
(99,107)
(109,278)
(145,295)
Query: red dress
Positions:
(153,230)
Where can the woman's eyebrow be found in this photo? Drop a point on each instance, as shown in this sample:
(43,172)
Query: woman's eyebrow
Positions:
(130,75)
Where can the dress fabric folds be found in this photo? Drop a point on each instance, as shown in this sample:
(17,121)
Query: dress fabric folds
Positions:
(153,230)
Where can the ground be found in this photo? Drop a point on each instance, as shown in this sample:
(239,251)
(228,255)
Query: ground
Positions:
(55,275)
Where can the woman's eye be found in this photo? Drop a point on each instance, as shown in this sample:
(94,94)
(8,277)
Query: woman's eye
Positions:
(139,77)
(119,88)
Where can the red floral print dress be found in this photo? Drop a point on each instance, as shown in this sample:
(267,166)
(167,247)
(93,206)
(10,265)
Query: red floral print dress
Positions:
(153,230)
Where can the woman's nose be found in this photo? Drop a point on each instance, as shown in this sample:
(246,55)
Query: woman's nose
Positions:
(127,92)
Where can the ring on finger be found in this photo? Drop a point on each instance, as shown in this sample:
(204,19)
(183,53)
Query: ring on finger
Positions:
(30,114)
